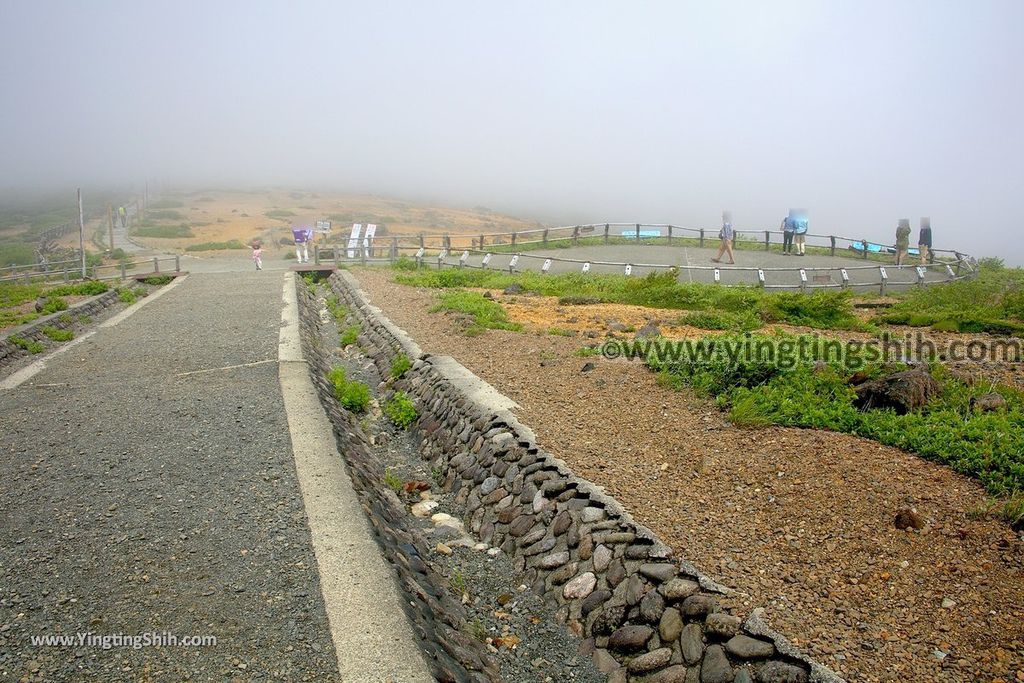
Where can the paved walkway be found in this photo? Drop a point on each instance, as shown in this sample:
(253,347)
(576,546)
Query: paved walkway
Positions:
(149,486)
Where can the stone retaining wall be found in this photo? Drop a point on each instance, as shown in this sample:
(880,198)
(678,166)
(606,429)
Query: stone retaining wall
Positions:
(62,320)
(437,618)
(641,613)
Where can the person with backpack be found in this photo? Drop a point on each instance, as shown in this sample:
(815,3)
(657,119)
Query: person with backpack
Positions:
(902,241)
(788,230)
(924,242)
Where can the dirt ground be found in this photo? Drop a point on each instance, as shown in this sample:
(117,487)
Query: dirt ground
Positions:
(797,521)
(219,216)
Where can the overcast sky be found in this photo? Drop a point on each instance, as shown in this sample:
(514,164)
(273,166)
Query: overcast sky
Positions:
(861,112)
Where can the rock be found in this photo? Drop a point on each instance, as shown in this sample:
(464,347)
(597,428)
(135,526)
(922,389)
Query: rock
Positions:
(489,485)
(520,525)
(564,573)
(602,557)
(743,676)
(554,559)
(651,607)
(746,647)
(594,600)
(616,572)
(716,667)
(609,619)
(779,672)
(673,674)
(591,514)
(988,402)
(635,588)
(443,549)
(514,288)
(618,327)
(671,625)
(604,662)
(679,589)
(630,638)
(650,661)
(561,523)
(648,331)
(901,391)
(691,643)
(948,603)
(580,587)
(660,572)
(699,606)
(722,625)
(908,518)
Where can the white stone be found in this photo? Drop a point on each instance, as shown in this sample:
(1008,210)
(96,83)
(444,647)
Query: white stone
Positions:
(423,508)
(580,587)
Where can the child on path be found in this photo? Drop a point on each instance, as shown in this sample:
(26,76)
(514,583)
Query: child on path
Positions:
(257,254)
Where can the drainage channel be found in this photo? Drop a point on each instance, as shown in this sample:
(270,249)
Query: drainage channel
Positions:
(487,605)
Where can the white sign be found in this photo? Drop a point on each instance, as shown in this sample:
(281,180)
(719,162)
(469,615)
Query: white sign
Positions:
(803,275)
(586,267)
(371,230)
(547,265)
(323,227)
(353,240)
(629,269)
(487,260)
(513,262)
(718,275)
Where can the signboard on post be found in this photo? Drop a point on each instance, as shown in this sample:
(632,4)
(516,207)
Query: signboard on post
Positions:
(323,227)
(371,231)
(353,240)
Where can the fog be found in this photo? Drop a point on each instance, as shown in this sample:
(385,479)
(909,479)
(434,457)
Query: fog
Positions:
(862,112)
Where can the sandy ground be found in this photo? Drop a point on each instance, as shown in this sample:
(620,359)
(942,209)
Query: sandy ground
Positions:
(797,521)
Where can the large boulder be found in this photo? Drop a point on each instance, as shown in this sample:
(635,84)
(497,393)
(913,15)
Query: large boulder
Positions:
(902,391)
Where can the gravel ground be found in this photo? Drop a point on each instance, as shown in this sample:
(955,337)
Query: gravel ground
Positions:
(139,499)
(500,606)
(797,521)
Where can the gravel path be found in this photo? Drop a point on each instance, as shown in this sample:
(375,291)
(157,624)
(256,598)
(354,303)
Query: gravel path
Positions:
(145,490)
(797,521)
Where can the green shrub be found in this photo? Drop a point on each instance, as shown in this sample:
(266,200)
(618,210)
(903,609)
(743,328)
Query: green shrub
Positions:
(400,410)
(353,395)
(30,345)
(88,288)
(399,366)
(130,295)
(350,336)
(484,314)
(393,481)
(559,332)
(165,204)
(338,310)
(280,214)
(57,334)
(52,304)
(405,263)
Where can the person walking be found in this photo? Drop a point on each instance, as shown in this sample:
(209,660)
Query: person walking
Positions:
(302,237)
(123,215)
(924,241)
(726,235)
(902,241)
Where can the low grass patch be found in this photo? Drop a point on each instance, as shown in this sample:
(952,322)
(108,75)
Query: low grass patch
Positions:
(353,395)
(30,345)
(399,366)
(216,246)
(349,336)
(57,334)
(165,215)
(757,391)
(400,410)
(482,313)
(338,310)
(821,309)
(991,302)
(53,304)
(722,320)
(157,280)
(165,204)
(130,295)
(280,214)
(164,231)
